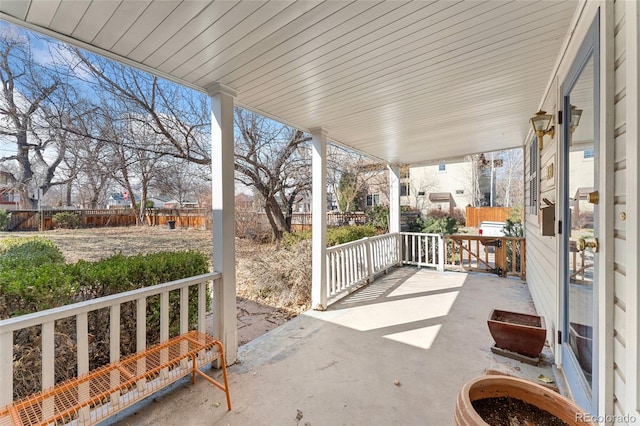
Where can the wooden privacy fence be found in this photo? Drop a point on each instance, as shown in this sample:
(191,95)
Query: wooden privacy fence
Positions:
(32,220)
(248,224)
(476,215)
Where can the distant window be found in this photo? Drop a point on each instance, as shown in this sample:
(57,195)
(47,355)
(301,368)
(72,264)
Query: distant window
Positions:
(421,193)
(373,200)
(587,154)
(405,172)
(442,167)
(459,191)
(404,190)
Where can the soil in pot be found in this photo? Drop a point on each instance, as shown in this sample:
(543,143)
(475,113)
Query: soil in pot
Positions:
(506,411)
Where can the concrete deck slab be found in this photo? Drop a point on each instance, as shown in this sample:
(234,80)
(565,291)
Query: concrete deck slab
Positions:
(395,352)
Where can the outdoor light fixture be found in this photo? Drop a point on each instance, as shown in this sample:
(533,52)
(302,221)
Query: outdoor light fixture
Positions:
(576,114)
(541,123)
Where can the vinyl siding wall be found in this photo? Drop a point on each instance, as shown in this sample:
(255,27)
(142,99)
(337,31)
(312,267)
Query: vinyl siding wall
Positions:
(619,181)
(620,201)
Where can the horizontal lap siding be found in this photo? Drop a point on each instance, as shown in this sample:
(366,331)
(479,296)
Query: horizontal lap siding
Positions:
(620,181)
(541,251)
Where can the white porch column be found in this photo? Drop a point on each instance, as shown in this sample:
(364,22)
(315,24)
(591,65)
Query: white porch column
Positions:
(394,198)
(319,220)
(224,248)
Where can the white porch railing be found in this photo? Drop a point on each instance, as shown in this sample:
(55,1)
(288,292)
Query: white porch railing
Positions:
(354,263)
(357,262)
(423,250)
(79,311)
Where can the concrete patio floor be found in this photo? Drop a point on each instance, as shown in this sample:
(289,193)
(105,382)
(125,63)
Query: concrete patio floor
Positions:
(395,352)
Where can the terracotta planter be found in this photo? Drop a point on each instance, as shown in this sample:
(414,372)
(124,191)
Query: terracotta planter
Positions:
(516,332)
(505,386)
(580,339)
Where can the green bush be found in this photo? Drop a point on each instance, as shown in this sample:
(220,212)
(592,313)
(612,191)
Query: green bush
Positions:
(66,220)
(28,252)
(378,216)
(346,234)
(5,218)
(335,236)
(32,287)
(442,225)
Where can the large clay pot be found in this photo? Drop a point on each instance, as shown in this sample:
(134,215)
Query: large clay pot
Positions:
(516,332)
(506,386)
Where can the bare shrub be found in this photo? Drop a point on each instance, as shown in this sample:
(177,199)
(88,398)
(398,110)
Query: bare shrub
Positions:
(281,277)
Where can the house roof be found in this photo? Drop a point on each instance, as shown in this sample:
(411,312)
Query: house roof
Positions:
(442,197)
(406,82)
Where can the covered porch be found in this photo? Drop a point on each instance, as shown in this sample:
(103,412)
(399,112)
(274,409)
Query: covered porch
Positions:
(405,83)
(394,352)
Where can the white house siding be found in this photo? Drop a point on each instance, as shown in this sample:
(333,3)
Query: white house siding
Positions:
(620,201)
(428,179)
(619,181)
(542,260)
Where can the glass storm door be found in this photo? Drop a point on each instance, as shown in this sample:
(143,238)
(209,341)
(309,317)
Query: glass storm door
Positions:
(580,224)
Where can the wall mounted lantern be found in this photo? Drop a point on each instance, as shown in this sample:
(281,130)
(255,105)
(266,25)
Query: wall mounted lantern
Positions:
(541,123)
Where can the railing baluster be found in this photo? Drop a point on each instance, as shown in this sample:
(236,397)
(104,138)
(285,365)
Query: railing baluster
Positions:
(82,337)
(6,368)
(48,364)
(114,349)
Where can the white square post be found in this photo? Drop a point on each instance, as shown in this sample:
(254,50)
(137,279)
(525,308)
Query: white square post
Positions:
(224,247)
(394,198)
(319,220)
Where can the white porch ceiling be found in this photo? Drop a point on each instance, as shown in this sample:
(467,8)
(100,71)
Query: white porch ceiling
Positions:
(406,82)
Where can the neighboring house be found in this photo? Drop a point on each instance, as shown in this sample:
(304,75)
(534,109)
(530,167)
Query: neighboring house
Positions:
(157,202)
(443,186)
(118,200)
(9,198)
(243,202)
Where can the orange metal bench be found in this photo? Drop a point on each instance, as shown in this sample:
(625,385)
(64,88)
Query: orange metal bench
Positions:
(93,397)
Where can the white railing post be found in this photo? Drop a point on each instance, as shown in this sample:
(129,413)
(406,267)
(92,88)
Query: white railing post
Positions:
(369,254)
(440,253)
(6,368)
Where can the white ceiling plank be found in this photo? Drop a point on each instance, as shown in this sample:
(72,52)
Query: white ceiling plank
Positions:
(232,18)
(295,32)
(363,40)
(406,82)
(42,12)
(16,8)
(181,16)
(189,33)
(96,16)
(423,81)
(68,15)
(327,42)
(254,28)
(405,55)
(150,19)
(122,19)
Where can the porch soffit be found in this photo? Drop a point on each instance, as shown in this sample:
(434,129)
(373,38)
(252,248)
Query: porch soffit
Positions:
(406,82)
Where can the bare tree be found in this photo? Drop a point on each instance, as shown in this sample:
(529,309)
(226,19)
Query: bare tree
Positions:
(275,161)
(180,116)
(34,107)
(510,178)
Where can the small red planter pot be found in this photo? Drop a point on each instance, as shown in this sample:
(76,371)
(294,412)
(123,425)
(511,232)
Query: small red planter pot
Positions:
(516,332)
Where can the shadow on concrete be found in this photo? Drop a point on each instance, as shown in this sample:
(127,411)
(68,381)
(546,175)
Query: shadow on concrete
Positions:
(395,352)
